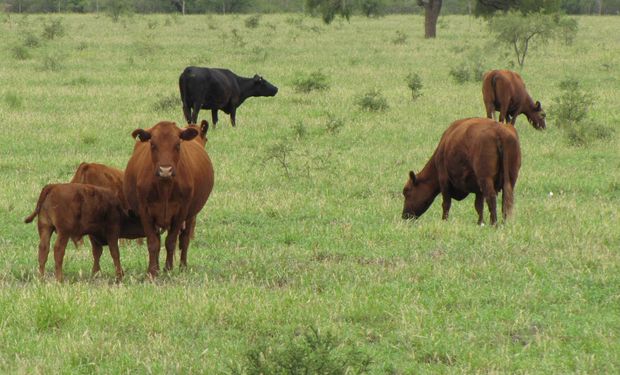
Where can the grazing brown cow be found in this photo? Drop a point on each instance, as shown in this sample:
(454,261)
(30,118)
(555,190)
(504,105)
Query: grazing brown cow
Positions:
(504,91)
(474,155)
(167,181)
(75,210)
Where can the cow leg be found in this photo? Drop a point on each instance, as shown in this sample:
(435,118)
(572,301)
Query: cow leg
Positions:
(171,244)
(490,107)
(184,238)
(233,114)
(116,258)
(479,204)
(196,108)
(187,112)
(45,234)
(447,202)
(59,255)
(491,197)
(97,251)
(214,117)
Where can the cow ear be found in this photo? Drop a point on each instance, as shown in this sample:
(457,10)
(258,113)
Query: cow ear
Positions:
(538,107)
(141,134)
(204,127)
(412,176)
(188,134)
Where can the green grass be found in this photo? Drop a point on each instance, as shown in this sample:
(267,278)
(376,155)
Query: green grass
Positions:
(319,246)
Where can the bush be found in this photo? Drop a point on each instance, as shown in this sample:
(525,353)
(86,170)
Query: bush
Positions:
(373,101)
(414,82)
(400,37)
(314,81)
(13,100)
(472,70)
(571,110)
(53,29)
(252,22)
(312,352)
(31,41)
(52,63)
(167,103)
(334,124)
(20,52)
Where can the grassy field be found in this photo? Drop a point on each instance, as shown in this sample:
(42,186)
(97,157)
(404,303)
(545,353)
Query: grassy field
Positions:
(300,258)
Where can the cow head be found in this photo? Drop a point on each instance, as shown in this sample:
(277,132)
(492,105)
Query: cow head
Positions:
(418,197)
(165,140)
(537,117)
(260,87)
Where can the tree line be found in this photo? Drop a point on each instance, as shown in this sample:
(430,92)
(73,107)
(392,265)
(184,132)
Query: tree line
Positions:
(335,7)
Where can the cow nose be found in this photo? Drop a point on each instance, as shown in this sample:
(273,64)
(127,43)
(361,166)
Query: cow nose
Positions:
(165,171)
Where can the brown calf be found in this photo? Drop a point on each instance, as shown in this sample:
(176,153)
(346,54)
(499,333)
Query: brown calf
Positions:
(75,210)
(504,91)
(474,155)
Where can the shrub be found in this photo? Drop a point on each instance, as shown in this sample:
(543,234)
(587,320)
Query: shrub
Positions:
(314,81)
(252,22)
(20,52)
(52,63)
(414,82)
(312,352)
(13,100)
(571,110)
(167,103)
(299,129)
(31,41)
(53,28)
(373,101)
(400,37)
(280,152)
(471,70)
(334,124)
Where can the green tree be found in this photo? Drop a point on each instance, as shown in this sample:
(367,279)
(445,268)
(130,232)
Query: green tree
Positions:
(488,7)
(519,30)
(330,8)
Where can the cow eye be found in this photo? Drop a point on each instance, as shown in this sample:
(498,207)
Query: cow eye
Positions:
(153,146)
(177,147)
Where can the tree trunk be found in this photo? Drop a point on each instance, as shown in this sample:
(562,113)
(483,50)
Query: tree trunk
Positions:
(431,14)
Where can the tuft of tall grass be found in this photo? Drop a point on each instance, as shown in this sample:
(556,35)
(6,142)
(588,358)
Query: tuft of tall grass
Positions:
(314,81)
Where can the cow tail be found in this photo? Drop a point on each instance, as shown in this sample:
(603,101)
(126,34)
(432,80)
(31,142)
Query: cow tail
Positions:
(511,161)
(46,190)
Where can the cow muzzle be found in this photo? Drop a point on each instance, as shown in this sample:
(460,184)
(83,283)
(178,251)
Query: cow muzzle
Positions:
(165,171)
(408,216)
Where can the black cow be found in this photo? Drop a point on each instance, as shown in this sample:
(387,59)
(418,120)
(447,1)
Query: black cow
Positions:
(214,89)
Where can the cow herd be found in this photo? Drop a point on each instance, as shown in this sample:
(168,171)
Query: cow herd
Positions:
(169,175)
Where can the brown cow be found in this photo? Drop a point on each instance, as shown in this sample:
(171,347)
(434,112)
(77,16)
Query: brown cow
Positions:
(167,181)
(100,175)
(75,210)
(111,178)
(474,155)
(504,91)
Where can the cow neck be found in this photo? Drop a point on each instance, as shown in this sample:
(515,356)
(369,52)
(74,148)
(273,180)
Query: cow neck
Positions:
(529,107)
(429,176)
(244,85)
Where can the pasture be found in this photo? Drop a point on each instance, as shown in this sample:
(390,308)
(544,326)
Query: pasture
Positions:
(300,256)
